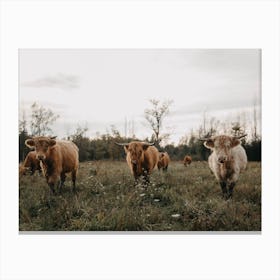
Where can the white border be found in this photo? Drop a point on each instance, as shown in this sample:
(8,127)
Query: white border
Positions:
(124,24)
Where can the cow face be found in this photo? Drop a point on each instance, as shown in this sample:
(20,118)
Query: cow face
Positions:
(41,146)
(136,152)
(222,145)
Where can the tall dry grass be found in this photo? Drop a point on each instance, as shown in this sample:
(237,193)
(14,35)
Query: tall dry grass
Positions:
(182,199)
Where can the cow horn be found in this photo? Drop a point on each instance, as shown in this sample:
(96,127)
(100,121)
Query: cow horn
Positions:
(121,144)
(238,137)
(53,137)
(149,144)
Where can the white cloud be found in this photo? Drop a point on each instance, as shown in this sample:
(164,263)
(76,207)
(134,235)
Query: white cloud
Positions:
(59,80)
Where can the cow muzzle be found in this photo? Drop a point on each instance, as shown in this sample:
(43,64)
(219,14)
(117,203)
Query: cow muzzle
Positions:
(41,157)
(134,161)
(222,159)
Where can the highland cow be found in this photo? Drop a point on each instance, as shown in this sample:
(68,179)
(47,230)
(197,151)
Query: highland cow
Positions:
(56,159)
(227,160)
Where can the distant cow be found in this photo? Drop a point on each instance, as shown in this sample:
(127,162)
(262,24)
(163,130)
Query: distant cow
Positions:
(227,160)
(163,161)
(187,160)
(30,163)
(141,158)
(56,158)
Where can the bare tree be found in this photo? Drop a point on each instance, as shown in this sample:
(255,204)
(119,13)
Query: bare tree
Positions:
(23,135)
(41,120)
(237,130)
(83,143)
(209,126)
(22,123)
(184,140)
(155,116)
(255,135)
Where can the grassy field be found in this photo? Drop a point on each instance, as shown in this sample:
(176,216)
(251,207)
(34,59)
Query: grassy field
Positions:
(183,199)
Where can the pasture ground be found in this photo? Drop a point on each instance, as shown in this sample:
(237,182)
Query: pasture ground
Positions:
(182,199)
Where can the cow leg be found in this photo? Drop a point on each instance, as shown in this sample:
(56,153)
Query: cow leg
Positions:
(224,188)
(232,183)
(147,180)
(62,180)
(51,185)
(52,181)
(32,169)
(74,176)
(137,179)
(230,189)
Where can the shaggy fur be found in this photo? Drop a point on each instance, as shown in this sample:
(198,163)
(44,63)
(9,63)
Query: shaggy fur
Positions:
(56,159)
(164,161)
(187,160)
(227,160)
(30,163)
(141,158)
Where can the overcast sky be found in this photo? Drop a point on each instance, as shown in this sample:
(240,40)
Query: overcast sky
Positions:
(100,88)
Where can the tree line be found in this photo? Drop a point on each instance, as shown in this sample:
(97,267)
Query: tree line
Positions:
(103,147)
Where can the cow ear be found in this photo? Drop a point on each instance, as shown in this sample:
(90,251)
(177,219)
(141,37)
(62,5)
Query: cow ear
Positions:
(126,148)
(30,143)
(209,143)
(52,142)
(235,142)
(145,146)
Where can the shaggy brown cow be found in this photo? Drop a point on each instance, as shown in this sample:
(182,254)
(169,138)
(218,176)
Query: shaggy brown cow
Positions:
(30,163)
(227,160)
(141,158)
(163,161)
(56,158)
(187,160)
